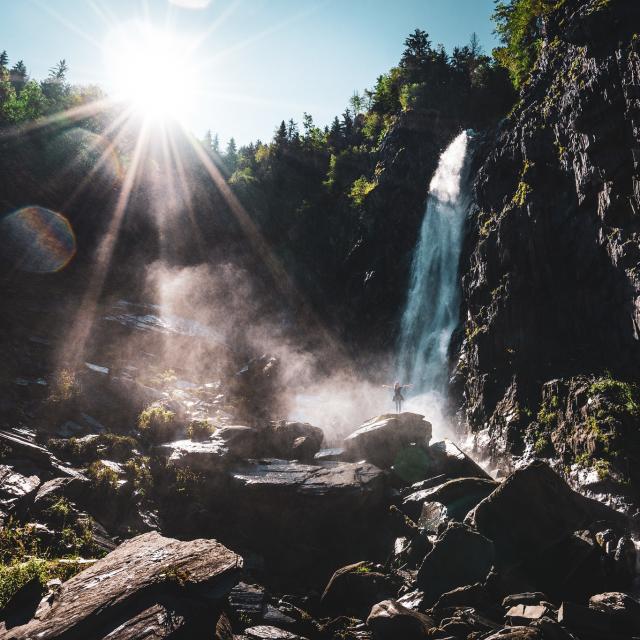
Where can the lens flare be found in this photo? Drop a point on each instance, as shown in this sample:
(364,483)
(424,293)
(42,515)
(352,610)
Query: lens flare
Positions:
(37,240)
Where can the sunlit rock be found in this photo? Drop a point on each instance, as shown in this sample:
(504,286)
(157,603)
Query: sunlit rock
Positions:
(381,439)
(141,585)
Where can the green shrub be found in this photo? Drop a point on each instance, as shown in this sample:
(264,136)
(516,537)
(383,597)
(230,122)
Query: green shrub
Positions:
(103,478)
(519,27)
(16,575)
(138,472)
(65,386)
(199,430)
(111,446)
(157,423)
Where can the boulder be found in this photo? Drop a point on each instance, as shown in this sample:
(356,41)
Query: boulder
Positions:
(433,518)
(448,459)
(459,557)
(142,578)
(267,632)
(208,457)
(310,517)
(241,441)
(354,589)
(291,440)
(19,480)
(381,439)
(621,607)
(389,620)
(247,602)
(459,496)
(532,510)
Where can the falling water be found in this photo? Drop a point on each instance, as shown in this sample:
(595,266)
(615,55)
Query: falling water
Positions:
(433,302)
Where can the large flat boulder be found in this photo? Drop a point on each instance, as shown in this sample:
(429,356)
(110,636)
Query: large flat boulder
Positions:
(141,578)
(382,439)
(532,510)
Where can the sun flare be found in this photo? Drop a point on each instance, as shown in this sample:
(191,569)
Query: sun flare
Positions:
(152,70)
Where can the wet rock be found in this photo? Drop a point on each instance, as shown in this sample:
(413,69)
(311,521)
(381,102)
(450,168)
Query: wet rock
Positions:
(389,620)
(381,439)
(621,607)
(354,589)
(459,557)
(532,510)
(448,459)
(459,496)
(433,518)
(208,457)
(143,573)
(330,455)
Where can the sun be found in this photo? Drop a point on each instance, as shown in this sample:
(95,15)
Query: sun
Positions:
(153,70)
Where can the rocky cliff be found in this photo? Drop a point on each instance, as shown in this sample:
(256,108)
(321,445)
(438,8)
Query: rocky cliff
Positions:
(549,342)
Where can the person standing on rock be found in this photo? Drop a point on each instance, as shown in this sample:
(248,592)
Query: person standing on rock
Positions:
(398,398)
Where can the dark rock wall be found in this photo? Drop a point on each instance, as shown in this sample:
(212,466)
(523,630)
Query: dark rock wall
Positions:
(551,267)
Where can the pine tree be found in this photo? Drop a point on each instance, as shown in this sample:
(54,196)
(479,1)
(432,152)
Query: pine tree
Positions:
(4,60)
(280,137)
(19,76)
(231,155)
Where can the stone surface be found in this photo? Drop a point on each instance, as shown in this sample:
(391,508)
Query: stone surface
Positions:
(291,440)
(459,496)
(459,557)
(529,512)
(354,589)
(389,620)
(124,587)
(381,439)
(623,609)
(447,458)
(267,632)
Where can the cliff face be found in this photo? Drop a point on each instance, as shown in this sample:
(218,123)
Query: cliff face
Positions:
(551,268)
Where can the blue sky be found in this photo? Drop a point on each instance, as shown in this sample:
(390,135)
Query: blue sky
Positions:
(261,60)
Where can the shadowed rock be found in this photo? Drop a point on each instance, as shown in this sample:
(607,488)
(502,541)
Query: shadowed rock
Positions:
(389,620)
(459,496)
(354,589)
(459,557)
(532,510)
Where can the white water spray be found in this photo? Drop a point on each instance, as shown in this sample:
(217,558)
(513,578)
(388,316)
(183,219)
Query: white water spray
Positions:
(433,301)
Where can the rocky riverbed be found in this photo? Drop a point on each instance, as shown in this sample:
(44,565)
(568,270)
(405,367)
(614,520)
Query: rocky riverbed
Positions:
(141,499)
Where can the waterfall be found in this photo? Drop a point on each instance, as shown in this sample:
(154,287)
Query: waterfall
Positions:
(433,302)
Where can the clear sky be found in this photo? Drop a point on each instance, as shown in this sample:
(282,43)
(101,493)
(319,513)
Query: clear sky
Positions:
(258,61)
